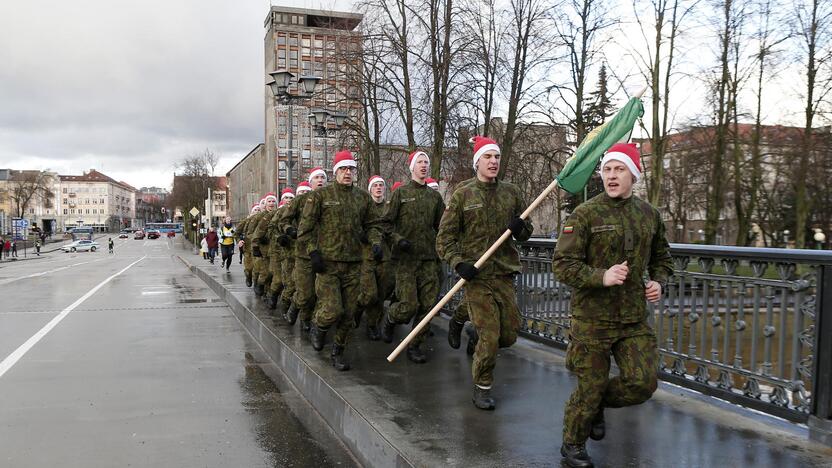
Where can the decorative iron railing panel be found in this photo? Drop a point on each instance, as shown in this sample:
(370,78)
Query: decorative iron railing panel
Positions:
(735,323)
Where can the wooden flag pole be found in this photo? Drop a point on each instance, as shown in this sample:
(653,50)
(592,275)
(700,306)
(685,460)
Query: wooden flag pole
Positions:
(488,253)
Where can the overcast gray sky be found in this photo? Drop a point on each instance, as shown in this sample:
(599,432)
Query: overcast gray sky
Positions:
(129,88)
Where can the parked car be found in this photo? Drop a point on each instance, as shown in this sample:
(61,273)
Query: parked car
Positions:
(153,234)
(138,235)
(81,246)
(124,235)
(171,234)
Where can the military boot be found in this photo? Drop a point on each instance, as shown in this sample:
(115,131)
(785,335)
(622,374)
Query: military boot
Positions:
(358,315)
(273,300)
(482,398)
(455,333)
(387,330)
(337,358)
(248,281)
(415,354)
(317,336)
(258,289)
(599,428)
(305,325)
(473,337)
(575,456)
(292,314)
(372,333)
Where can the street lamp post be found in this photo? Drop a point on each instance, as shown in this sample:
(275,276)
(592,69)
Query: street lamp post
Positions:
(820,238)
(786,237)
(281,81)
(320,120)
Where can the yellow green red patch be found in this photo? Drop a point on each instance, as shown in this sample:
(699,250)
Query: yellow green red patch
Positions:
(567,229)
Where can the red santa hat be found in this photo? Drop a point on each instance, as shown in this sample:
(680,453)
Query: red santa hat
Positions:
(343,158)
(282,202)
(268,196)
(255,208)
(303,187)
(411,160)
(315,171)
(262,202)
(395,186)
(287,193)
(626,153)
(481,146)
(373,180)
(432,183)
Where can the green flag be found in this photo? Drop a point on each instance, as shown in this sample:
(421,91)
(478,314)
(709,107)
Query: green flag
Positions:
(578,169)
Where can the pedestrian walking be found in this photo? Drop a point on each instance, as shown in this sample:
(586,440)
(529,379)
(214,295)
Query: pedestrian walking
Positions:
(37,247)
(14,248)
(110,245)
(336,224)
(203,248)
(227,235)
(613,252)
(7,247)
(477,215)
(412,218)
(212,241)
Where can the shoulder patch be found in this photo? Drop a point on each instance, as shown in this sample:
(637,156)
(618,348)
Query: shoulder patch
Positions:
(472,206)
(331,203)
(568,229)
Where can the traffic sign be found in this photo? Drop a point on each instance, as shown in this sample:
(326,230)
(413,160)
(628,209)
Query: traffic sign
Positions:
(20,223)
(194,211)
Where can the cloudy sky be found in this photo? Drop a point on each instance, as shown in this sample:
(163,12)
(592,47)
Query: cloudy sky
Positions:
(129,88)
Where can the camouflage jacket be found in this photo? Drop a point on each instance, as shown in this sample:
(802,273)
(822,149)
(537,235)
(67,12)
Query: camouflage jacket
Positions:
(241,228)
(261,234)
(338,221)
(379,210)
(414,213)
(290,216)
(477,215)
(603,232)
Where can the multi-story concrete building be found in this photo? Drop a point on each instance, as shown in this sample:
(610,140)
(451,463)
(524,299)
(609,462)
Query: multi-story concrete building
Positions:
(249,180)
(309,43)
(97,200)
(30,195)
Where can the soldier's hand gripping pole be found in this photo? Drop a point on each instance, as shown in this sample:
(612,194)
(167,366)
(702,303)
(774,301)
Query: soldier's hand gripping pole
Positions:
(447,297)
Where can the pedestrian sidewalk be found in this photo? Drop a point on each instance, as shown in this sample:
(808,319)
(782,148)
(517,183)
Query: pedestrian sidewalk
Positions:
(403,414)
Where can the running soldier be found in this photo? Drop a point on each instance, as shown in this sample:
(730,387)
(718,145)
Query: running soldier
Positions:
(412,218)
(246,228)
(614,254)
(477,215)
(262,250)
(336,223)
(377,279)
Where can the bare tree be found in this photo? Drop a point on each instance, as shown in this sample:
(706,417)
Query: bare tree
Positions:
(27,187)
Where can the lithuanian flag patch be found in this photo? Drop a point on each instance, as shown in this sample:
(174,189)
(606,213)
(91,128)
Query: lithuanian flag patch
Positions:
(567,229)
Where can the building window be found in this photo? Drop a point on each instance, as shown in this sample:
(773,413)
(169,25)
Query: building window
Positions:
(102,201)
(293,40)
(64,189)
(72,211)
(88,211)
(281,39)
(65,210)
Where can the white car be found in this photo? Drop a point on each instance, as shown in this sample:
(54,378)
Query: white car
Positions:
(80,246)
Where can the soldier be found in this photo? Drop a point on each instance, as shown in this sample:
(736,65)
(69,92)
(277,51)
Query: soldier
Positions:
(262,275)
(242,230)
(377,280)
(477,215)
(413,217)
(614,254)
(276,253)
(336,223)
(287,244)
(303,300)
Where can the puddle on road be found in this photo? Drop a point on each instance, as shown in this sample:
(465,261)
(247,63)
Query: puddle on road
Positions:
(279,432)
(198,301)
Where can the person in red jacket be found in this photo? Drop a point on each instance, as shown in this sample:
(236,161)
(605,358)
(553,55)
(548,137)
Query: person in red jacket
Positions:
(213,243)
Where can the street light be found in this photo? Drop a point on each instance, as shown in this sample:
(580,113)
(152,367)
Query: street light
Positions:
(282,80)
(319,118)
(786,233)
(819,237)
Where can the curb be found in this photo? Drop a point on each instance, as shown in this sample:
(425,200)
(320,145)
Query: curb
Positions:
(360,436)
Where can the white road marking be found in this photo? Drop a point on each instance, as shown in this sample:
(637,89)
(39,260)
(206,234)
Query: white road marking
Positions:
(33,275)
(21,351)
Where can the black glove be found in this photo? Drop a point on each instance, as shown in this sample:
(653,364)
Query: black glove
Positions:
(292,232)
(378,253)
(317,261)
(405,246)
(264,239)
(363,238)
(466,271)
(516,226)
(283,240)
(256,251)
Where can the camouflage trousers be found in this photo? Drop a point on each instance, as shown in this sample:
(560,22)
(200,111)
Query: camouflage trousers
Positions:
(248,263)
(492,306)
(588,358)
(263,274)
(276,285)
(461,312)
(304,297)
(377,283)
(337,291)
(417,286)
(287,267)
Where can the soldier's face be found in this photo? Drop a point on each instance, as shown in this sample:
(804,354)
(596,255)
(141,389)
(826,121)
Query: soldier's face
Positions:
(270,204)
(420,168)
(344,175)
(489,165)
(318,181)
(618,180)
(377,190)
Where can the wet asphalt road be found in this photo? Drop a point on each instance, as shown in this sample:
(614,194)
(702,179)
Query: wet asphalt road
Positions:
(130,360)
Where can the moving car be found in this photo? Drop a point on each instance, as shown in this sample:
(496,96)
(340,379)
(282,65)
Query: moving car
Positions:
(123,235)
(81,246)
(152,234)
(171,234)
(138,235)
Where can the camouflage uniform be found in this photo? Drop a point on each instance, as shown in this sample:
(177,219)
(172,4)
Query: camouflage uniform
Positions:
(276,255)
(303,278)
(601,233)
(252,261)
(261,237)
(377,279)
(477,215)
(336,220)
(413,214)
(287,253)
(241,235)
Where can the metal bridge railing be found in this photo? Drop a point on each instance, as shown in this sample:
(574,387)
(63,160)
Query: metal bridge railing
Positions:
(749,325)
